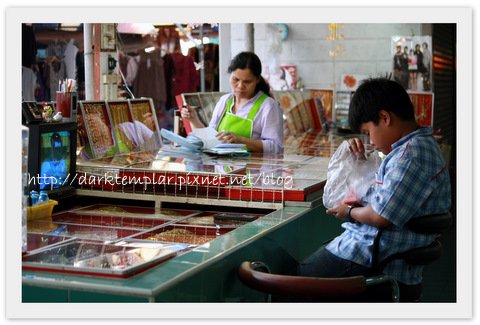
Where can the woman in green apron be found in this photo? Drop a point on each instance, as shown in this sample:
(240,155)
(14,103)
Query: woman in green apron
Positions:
(248,114)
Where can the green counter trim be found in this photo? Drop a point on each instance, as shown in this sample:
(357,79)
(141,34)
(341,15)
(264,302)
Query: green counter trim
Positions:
(153,282)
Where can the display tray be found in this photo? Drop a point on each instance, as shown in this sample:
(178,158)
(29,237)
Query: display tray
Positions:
(108,221)
(89,232)
(229,220)
(187,234)
(36,242)
(87,258)
(131,211)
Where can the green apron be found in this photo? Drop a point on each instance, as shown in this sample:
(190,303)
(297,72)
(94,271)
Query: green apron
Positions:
(239,125)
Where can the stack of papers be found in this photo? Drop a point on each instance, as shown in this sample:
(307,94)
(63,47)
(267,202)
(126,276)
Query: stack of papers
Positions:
(205,139)
(227,149)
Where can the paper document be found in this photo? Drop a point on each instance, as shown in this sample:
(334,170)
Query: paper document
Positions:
(205,140)
(178,139)
(208,136)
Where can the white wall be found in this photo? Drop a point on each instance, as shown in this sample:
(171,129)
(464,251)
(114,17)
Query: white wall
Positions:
(367,50)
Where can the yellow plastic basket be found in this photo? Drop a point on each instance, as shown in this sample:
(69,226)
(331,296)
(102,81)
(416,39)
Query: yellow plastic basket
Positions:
(41,211)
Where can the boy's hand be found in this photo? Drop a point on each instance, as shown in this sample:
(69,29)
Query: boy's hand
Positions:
(340,211)
(357,147)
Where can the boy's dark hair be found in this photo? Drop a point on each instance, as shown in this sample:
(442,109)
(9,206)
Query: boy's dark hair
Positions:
(377,94)
(249,60)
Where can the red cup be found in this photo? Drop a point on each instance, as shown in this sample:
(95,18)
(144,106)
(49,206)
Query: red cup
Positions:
(64,104)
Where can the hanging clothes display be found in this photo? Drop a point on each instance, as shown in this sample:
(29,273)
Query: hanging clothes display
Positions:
(57,49)
(131,70)
(150,81)
(180,73)
(186,76)
(169,65)
(56,73)
(211,67)
(70,55)
(42,93)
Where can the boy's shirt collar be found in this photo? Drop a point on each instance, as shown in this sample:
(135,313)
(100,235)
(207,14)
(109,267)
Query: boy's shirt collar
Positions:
(421,131)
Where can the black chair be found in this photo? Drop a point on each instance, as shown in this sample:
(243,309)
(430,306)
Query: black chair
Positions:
(372,288)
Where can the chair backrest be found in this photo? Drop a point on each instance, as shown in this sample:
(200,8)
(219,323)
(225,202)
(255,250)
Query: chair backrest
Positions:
(416,256)
(430,224)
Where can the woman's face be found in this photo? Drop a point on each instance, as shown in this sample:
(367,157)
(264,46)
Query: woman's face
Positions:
(243,83)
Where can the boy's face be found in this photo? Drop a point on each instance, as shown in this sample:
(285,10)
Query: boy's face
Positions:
(379,135)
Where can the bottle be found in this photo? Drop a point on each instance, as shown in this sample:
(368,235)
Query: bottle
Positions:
(43,197)
(34,197)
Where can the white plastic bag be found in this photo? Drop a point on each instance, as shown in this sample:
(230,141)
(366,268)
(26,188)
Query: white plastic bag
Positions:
(349,176)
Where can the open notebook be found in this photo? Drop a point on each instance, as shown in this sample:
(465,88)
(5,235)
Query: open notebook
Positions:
(205,140)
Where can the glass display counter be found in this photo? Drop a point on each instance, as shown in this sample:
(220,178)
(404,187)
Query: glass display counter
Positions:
(215,241)
(256,181)
(201,272)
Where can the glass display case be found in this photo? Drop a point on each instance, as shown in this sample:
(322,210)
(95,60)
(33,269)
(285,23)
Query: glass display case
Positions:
(36,241)
(80,257)
(101,238)
(342,103)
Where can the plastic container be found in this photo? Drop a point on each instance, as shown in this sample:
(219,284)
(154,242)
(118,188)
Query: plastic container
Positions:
(41,211)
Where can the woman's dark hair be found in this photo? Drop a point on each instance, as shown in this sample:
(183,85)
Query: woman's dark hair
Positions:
(249,60)
(377,94)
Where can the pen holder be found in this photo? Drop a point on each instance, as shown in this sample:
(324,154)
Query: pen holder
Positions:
(65,101)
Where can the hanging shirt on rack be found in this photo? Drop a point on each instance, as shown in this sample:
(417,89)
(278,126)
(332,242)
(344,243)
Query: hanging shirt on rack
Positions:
(57,49)
(186,76)
(56,73)
(70,55)
(150,80)
(132,69)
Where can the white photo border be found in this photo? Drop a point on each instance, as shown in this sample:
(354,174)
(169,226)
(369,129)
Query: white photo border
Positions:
(463,17)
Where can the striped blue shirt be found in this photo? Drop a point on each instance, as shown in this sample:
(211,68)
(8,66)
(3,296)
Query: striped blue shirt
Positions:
(412,181)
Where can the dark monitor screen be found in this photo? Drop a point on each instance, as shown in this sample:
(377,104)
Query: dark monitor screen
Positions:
(54,159)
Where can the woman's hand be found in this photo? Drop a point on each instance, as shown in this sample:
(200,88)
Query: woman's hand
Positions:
(229,137)
(190,114)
